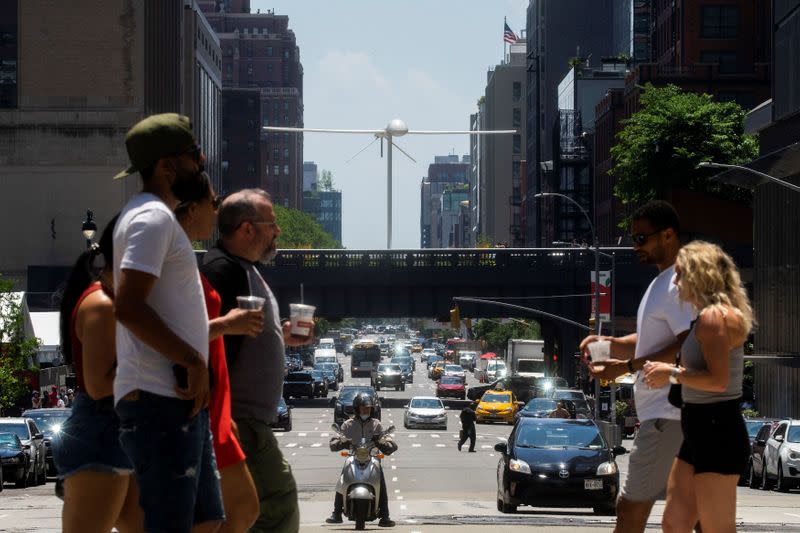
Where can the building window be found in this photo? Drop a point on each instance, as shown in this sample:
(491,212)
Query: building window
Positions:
(286,153)
(641,23)
(517,145)
(266,170)
(276,154)
(269,51)
(251,146)
(276,170)
(269,68)
(720,22)
(517,91)
(251,169)
(286,53)
(516,120)
(285,170)
(725,60)
(249,69)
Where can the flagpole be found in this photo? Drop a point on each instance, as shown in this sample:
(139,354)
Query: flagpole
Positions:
(505,44)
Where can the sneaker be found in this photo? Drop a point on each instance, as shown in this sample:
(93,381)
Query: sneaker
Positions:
(386,522)
(335,518)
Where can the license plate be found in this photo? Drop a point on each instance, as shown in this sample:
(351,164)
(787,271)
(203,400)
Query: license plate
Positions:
(593,484)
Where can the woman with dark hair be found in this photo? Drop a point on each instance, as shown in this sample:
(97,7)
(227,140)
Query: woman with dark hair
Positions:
(99,490)
(197,215)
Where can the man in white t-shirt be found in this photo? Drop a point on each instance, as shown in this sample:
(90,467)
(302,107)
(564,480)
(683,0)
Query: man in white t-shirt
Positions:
(161,387)
(662,323)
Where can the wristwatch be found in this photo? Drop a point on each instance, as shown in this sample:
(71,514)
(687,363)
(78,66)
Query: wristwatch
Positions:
(674,374)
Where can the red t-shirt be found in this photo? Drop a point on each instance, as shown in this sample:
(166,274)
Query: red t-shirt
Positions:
(226,447)
(77,347)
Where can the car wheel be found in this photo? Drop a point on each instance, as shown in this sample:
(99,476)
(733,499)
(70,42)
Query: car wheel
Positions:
(782,485)
(288,427)
(402,387)
(764,479)
(752,481)
(22,481)
(41,479)
(506,508)
(608,509)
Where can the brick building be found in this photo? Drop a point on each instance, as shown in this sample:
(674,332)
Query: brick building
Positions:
(260,52)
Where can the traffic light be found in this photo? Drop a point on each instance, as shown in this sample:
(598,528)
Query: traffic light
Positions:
(455,318)
(555,358)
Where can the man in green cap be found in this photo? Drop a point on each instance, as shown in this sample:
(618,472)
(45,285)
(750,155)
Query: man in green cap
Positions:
(161,387)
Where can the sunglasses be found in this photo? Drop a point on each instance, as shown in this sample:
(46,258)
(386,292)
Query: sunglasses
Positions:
(194,152)
(640,239)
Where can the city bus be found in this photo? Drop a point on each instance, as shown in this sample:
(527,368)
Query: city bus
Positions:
(365,356)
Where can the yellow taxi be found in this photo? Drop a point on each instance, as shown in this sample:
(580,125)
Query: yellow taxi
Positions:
(437,370)
(497,406)
(416,348)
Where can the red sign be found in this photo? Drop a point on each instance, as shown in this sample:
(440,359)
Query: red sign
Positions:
(605,295)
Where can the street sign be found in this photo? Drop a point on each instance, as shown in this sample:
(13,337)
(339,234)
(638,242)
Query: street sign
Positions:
(605,294)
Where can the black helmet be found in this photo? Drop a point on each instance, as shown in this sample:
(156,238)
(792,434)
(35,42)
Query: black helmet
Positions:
(361,399)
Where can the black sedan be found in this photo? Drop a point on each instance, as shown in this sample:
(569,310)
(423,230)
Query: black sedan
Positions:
(298,384)
(320,384)
(16,463)
(49,421)
(284,416)
(553,462)
(343,404)
(331,372)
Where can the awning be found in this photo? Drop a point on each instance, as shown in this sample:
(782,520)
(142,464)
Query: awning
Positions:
(780,164)
(489,355)
(46,328)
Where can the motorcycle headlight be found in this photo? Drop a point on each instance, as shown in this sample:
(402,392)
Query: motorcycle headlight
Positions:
(517,465)
(607,469)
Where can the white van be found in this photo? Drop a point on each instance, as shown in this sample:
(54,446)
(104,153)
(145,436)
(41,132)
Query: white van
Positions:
(327,343)
(325,355)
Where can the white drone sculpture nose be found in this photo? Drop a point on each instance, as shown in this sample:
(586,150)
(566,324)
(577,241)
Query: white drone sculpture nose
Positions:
(397,128)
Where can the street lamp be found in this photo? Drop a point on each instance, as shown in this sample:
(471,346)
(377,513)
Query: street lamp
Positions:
(89,228)
(596,283)
(711,164)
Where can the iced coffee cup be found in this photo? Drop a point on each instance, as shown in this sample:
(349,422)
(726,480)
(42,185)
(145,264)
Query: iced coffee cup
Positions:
(301,317)
(600,351)
(250,303)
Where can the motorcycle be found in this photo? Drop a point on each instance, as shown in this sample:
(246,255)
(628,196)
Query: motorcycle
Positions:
(360,481)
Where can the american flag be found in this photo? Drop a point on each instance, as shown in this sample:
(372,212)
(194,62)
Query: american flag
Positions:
(508,35)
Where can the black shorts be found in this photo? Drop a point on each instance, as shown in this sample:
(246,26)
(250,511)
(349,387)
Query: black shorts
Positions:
(714,438)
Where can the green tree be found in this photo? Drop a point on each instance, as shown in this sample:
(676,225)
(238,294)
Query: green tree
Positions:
(496,334)
(300,230)
(661,145)
(325,181)
(17,352)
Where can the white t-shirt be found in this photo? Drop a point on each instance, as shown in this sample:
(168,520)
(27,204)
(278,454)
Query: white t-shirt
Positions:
(661,317)
(148,238)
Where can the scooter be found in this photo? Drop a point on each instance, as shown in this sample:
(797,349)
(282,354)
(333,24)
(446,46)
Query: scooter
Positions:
(360,482)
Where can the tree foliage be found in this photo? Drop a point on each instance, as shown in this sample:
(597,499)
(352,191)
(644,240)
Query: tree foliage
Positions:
(661,145)
(300,230)
(17,353)
(496,334)
(325,181)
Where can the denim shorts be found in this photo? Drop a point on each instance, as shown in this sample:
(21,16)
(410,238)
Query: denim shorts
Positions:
(89,439)
(173,456)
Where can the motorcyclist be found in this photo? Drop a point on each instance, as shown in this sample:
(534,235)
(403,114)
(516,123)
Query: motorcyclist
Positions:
(363,425)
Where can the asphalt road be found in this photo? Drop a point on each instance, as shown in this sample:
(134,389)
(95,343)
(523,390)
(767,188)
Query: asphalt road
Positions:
(432,486)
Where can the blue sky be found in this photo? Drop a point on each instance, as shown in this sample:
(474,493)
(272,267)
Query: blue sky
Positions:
(368,62)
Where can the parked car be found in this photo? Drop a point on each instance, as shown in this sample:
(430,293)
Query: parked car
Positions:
(553,462)
(497,406)
(331,373)
(451,387)
(320,384)
(387,375)
(49,421)
(343,404)
(32,442)
(755,477)
(425,412)
(298,384)
(455,370)
(284,416)
(782,456)
(521,386)
(16,463)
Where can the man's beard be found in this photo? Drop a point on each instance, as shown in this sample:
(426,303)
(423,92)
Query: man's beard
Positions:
(186,184)
(270,253)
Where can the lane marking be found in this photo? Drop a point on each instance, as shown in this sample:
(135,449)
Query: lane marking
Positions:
(441,445)
(294,453)
(491,455)
(412,436)
(416,445)
(291,445)
(315,429)
(399,497)
(394,467)
(394,480)
(486,447)
(434,436)
(403,507)
(787,514)
(302,434)
(324,434)
(397,491)
(316,445)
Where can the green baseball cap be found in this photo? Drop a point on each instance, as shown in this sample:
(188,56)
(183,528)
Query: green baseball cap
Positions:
(155,137)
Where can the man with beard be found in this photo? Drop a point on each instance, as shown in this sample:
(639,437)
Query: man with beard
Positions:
(248,235)
(662,324)
(161,387)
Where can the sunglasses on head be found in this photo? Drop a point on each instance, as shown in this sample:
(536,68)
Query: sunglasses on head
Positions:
(640,239)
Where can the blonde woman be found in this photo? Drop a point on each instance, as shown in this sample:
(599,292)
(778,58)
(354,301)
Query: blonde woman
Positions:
(702,483)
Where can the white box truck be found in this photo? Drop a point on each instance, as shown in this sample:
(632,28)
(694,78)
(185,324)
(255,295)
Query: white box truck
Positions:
(526,358)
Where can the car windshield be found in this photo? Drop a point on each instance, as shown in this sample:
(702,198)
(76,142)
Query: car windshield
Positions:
(347,395)
(540,404)
(7,440)
(753,427)
(794,434)
(568,395)
(20,430)
(299,376)
(549,435)
(389,368)
(453,368)
(495,365)
(45,421)
(496,398)
(451,380)
(317,373)
(426,403)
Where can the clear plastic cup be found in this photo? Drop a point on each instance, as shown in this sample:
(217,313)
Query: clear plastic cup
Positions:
(250,303)
(301,317)
(600,351)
